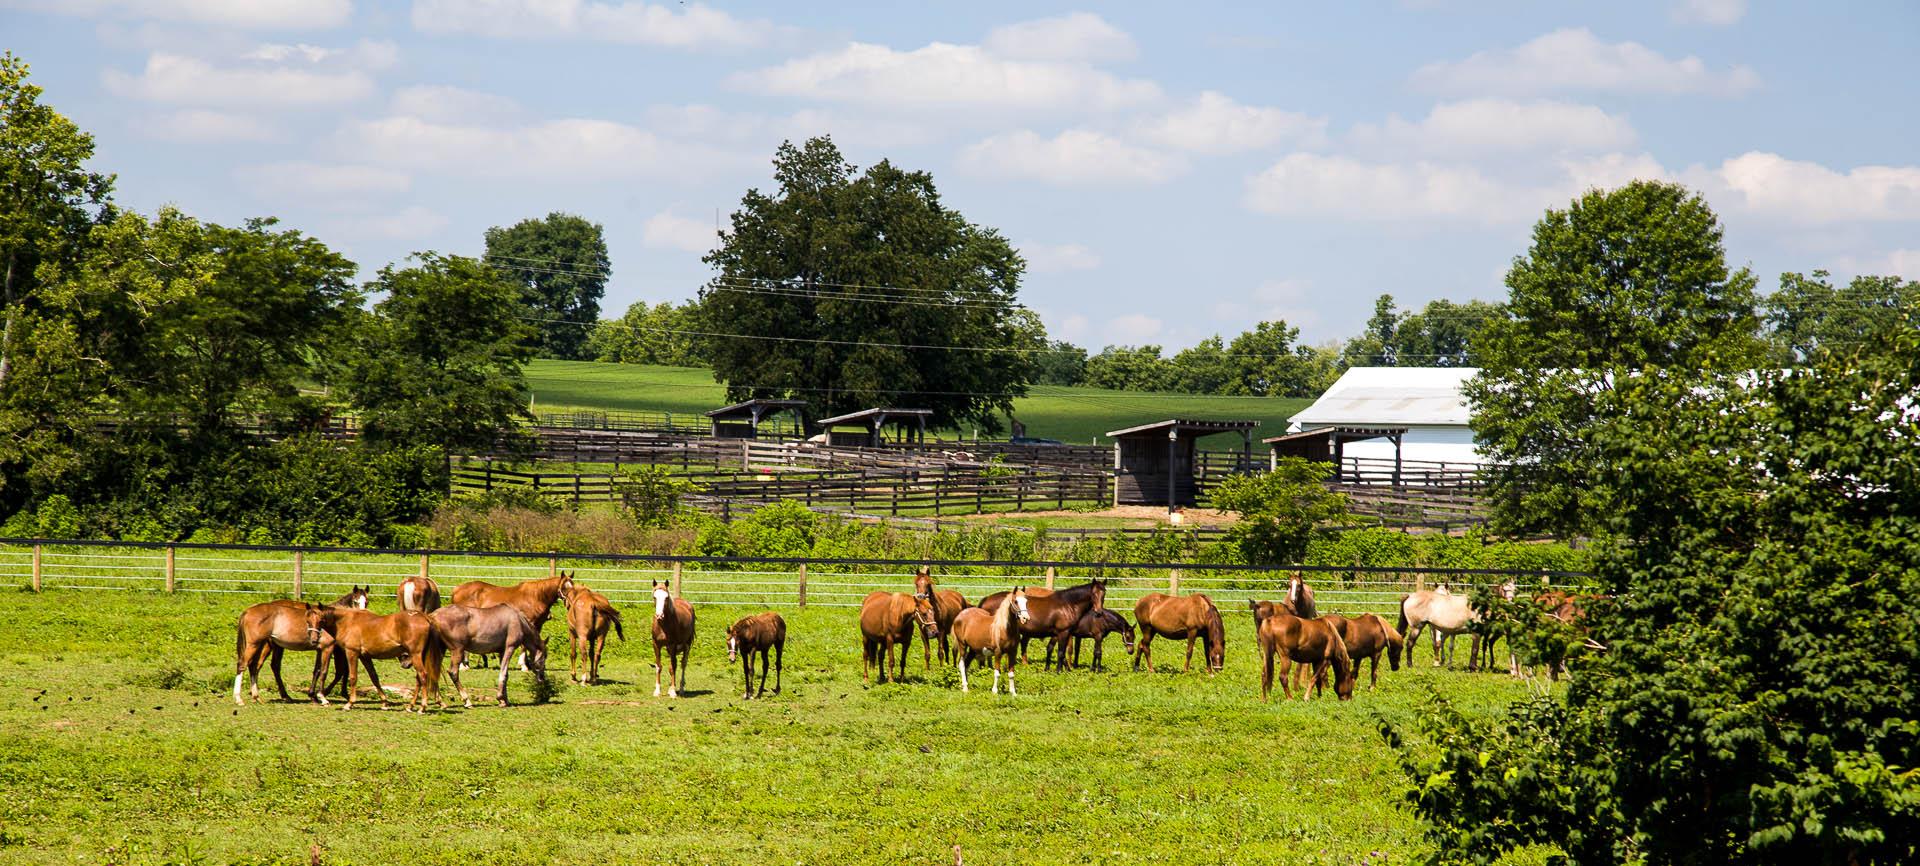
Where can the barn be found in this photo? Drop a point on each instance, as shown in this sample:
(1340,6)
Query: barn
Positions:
(1154,464)
(1375,416)
(743,420)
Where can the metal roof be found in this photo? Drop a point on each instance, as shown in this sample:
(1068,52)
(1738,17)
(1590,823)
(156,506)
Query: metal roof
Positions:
(869,414)
(745,407)
(1346,434)
(1391,397)
(1184,425)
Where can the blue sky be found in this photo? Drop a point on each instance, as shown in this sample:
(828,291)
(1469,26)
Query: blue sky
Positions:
(1170,170)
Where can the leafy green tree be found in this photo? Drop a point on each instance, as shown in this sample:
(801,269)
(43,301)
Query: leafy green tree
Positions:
(1279,509)
(1130,368)
(654,334)
(561,265)
(1442,334)
(853,290)
(438,361)
(1808,315)
(1062,364)
(1204,368)
(1375,346)
(1269,363)
(1620,281)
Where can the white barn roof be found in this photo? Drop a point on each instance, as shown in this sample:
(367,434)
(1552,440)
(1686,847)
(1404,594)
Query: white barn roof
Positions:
(1391,397)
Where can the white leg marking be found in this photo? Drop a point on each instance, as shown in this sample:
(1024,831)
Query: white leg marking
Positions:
(236,690)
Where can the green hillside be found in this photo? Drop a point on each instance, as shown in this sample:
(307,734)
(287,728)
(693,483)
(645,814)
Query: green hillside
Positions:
(1073,415)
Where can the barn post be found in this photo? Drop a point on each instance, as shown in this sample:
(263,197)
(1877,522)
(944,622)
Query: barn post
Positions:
(169,568)
(675,589)
(1051,573)
(36,568)
(1173,582)
(803,584)
(299,574)
(1173,457)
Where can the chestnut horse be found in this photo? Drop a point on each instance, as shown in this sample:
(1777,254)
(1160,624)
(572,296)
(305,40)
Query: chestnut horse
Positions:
(1313,642)
(758,633)
(497,629)
(418,593)
(413,638)
(1300,595)
(1097,625)
(534,598)
(589,616)
(886,620)
(1054,615)
(976,631)
(269,628)
(1187,617)
(1368,637)
(673,633)
(947,604)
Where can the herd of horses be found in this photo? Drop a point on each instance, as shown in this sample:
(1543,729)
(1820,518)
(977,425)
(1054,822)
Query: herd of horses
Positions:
(482,619)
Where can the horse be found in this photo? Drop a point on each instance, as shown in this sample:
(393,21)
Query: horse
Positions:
(1442,611)
(498,629)
(1300,595)
(1097,625)
(269,628)
(673,633)
(1309,641)
(1053,616)
(1487,633)
(534,598)
(976,631)
(364,636)
(418,593)
(758,633)
(887,619)
(947,604)
(1368,637)
(1187,617)
(589,616)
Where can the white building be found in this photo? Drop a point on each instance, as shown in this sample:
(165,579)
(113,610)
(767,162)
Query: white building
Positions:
(1425,406)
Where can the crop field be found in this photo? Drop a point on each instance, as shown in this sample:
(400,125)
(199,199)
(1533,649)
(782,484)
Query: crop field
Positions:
(123,745)
(1069,414)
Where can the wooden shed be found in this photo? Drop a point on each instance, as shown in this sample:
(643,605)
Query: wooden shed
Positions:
(1329,445)
(872,424)
(1154,463)
(742,420)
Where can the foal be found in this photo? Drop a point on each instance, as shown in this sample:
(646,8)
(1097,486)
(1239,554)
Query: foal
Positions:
(411,637)
(758,633)
(418,593)
(589,616)
(947,604)
(498,629)
(534,598)
(673,633)
(1368,637)
(269,628)
(1308,641)
(975,631)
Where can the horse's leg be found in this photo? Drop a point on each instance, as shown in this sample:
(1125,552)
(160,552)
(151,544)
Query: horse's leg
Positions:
(1315,688)
(375,677)
(454,663)
(1012,690)
(1286,673)
(353,677)
(746,675)
(1143,650)
(680,671)
(1375,660)
(964,654)
(866,659)
(657,669)
(763,672)
(573,656)
(906,646)
(500,696)
(1266,673)
(254,655)
(779,664)
(274,652)
(926,655)
(1190,639)
(1413,640)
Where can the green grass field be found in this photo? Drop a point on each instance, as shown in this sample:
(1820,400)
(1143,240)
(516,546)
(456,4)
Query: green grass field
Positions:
(1073,415)
(123,746)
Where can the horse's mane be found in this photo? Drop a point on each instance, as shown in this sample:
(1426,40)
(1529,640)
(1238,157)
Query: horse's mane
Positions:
(1075,593)
(1003,615)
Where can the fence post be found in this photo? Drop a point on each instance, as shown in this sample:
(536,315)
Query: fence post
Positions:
(1420,582)
(1050,576)
(803,584)
(169,569)
(553,566)
(36,568)
(676,580)
(299,575)
(423,567)
(1173,582)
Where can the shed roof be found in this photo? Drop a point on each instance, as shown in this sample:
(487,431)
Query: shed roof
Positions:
(746,407)
(868,415)
(1346,434)
(1185,425)
(1391,397)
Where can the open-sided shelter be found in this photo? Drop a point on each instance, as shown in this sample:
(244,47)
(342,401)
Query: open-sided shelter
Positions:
(742,420)
(1154,463)
(872,424)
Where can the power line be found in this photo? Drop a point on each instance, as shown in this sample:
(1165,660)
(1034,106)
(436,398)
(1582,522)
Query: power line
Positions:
(1110,399)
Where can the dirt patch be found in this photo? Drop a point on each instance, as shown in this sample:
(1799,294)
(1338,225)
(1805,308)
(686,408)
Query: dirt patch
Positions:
(1144,516)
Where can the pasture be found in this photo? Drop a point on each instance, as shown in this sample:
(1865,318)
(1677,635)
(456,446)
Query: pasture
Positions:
(123,745)
(1074,415)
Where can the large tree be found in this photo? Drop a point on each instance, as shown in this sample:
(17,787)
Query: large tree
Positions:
(1620,281)
(561,265)
(1809,316)
(1443,334)
(1269,362)
(853,289)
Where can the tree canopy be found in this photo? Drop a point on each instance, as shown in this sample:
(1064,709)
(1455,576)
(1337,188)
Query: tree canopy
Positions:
(561,265)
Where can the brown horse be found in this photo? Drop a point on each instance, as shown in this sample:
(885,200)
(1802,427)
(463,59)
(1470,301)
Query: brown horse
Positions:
(1187,617)
(1054,615)
(673,633)
(418,593)
(886,620)
(976,631)
(589,616)
(1300,595)
(947,604)
(1313,642)
(269,628)
(1097,625)
(1368,637)
(364,636)
(498,629)
(758,633)
(534,598)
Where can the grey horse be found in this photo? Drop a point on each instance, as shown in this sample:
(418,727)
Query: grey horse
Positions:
(497,629)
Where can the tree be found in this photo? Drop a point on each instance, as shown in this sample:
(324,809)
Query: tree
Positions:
(1809,316)
(1130,368)
(1279,509)
(1204,368)
(1622,280)
(656,334)
(1443,334)
(1062,364)
(853,290)
(562,268)
(438,361)
(1269,364)
(1375,346)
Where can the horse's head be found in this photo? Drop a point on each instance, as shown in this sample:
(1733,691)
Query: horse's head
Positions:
(1395,643)
(1507,590)
(662,595)
(1216,640)
(1294,586)
(1343,680)
(320,622)
(1019,602)
(566,583)
(1099,593)
(923,613)
(1126,634)
(733,642)
(923,582)
(357,599)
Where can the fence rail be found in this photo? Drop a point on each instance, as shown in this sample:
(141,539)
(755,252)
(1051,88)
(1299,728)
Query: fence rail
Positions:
(323,573)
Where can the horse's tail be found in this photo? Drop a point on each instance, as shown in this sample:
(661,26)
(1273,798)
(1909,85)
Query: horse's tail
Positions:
(1403,613)
(614,615)
(432,651)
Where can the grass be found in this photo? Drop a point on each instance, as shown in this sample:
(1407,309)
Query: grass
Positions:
(1073,415)
(122,745)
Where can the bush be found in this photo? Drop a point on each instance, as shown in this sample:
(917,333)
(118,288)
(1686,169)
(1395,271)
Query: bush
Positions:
(1279,510)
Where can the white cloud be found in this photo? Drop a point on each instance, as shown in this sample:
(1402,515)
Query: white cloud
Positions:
(573,149)
(687,26)
(187,80)
(1215,124)
(243,14)
(309,180)
(365,54)
(446,104)
(1719,13)
(1133,329)
(1494,126)
(202,125)
(1270,301)
(1574,59)
(1806,192)
(1610,170)
(941,76)
(1076,156)
(1056,258)
(1074,36)
(407,223)
(1897,263)
(760,132)
(668,230)
(1304,184)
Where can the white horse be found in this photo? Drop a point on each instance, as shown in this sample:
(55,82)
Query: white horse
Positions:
(1442,611)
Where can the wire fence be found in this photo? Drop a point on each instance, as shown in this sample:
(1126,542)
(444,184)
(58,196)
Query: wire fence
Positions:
(321,574)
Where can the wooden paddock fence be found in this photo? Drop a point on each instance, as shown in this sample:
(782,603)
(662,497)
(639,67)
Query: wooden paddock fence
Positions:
(254,572)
